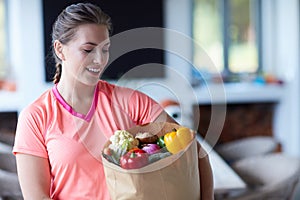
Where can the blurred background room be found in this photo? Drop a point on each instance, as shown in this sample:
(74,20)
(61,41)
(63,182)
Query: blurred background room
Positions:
(229,69)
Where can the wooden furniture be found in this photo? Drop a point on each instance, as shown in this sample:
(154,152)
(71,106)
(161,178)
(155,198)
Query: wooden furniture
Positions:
(242,120)
(8,123)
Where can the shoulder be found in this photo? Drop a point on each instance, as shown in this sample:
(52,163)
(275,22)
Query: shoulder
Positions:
(113,89)
(39,106)
(122,95)
(105,87)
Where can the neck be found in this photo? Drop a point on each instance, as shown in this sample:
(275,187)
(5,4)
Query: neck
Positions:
(78,95)
(77,91)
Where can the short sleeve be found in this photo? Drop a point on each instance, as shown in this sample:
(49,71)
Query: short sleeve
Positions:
(143,108)
(29,137)
(136,105)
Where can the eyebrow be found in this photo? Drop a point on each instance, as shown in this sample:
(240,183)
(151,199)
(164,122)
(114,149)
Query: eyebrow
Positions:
(94,44)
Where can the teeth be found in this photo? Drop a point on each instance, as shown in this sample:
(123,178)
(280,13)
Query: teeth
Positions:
(93,70)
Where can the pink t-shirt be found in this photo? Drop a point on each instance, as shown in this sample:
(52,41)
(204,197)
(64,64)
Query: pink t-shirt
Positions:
(73,142)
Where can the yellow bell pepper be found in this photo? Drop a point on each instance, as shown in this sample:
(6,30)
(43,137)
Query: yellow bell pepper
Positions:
(177,140)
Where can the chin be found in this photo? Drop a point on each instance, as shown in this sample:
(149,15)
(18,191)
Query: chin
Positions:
(90,81)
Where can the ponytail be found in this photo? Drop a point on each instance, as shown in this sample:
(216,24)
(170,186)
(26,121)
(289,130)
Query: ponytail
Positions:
(57,75)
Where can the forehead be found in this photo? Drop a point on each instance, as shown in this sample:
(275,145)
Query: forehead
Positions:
(91,33)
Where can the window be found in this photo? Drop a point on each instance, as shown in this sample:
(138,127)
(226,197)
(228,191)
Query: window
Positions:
(3,39)
(229,32)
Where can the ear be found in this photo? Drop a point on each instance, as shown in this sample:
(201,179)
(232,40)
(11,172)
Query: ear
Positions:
(58,48)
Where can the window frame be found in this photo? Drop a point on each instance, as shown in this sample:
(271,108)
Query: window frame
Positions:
(225,11)
(7,39)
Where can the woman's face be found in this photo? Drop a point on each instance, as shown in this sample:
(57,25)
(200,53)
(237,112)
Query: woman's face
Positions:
(86,55)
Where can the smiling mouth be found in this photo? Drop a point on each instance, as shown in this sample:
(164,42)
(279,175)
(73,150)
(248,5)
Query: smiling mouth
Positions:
(93,70)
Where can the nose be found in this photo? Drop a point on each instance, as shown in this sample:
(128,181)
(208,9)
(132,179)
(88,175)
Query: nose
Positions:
(97,61)
(99,57)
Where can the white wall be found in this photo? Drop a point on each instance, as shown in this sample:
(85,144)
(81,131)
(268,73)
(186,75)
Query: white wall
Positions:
(285,61)
(281,48)
(26,50)
(281,51)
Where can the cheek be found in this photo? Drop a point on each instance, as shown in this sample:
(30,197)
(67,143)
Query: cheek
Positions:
(107,57)
(77,63)
(81,59)
(74,57)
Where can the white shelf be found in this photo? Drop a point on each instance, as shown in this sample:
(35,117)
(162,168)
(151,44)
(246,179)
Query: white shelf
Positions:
(10,101)
(239,93)
(213,93)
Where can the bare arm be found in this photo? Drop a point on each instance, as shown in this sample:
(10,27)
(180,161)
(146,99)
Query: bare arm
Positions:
(34,177)
(205,174)
(164,117)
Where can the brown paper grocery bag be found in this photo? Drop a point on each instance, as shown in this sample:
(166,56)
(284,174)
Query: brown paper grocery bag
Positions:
(171,178)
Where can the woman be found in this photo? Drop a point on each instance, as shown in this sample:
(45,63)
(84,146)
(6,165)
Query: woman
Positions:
(59,137)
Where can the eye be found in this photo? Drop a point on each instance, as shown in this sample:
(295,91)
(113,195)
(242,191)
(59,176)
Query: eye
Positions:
(87,50)
(105,50)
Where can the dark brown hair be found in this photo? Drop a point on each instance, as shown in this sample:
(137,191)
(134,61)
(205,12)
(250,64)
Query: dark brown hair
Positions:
(64,28)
